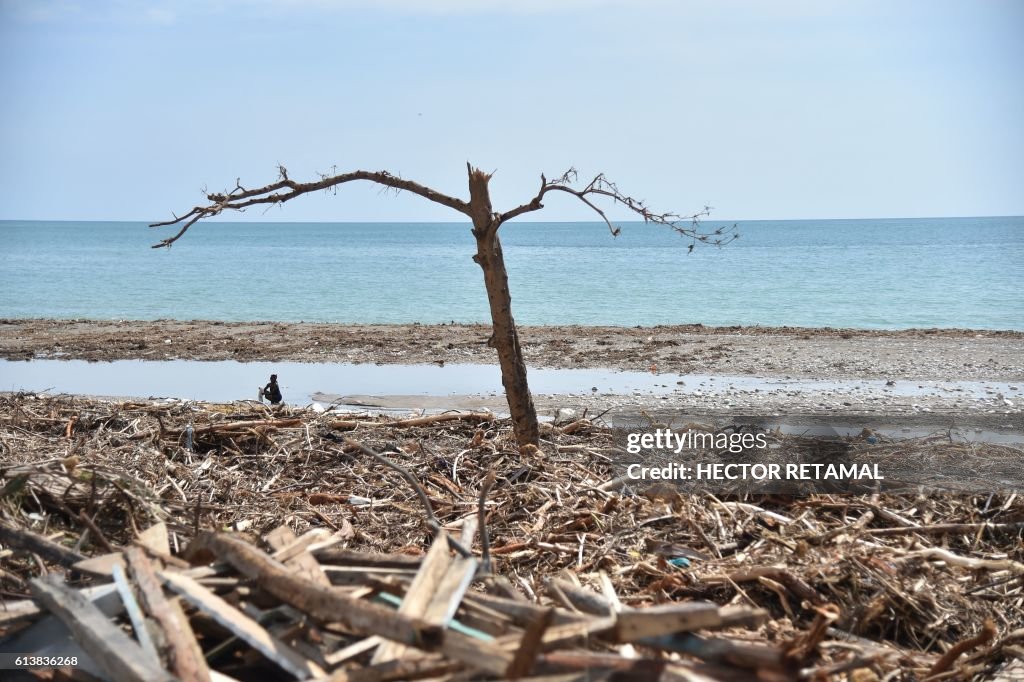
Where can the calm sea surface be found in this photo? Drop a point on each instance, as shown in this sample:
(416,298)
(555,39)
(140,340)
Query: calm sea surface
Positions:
(942,272)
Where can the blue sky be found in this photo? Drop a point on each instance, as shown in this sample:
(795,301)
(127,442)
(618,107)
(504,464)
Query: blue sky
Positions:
(119,110)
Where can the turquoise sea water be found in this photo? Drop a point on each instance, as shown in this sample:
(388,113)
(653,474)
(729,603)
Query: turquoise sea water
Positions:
(936,272)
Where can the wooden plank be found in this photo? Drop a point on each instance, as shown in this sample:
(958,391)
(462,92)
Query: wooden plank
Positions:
(421,591)
(291,551)
(242,626)
(357,575)
(530,645)
(181,642)
(476,653)
(135,615)
(666,619)
(429,666)
(717,650)
(156,538)
(444,602)
(469,528)
(354,557)
(449,593)
(324,603)
(101,566)
(13,611)
(195,652)
(585,600)
(330,605)
(568,633)
(50,637)
(519,612)
(115,652)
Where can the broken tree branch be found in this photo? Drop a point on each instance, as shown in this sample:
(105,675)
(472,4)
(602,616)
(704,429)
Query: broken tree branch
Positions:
(601,186)
(285,190)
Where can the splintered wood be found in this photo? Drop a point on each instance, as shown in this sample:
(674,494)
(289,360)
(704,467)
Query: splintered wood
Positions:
(216,542)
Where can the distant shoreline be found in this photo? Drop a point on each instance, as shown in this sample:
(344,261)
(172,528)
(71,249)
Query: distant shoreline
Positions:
(281,220)
(819,353)
(687,327)
(967,377)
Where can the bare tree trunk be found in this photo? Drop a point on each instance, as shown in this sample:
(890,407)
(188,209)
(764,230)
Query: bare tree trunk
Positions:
(488,248)
(505,338)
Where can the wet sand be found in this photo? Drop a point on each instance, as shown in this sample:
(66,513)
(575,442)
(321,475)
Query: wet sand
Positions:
(940,378)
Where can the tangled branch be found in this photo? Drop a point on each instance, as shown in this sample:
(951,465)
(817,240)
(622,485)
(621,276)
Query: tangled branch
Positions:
(599,188)
(286,189)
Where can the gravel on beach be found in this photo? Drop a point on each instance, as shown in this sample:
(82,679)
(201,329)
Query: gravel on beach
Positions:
(955,377)
(814,353)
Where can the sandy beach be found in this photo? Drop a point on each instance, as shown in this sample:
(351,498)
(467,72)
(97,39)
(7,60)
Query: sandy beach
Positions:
(813,353)
(926,378)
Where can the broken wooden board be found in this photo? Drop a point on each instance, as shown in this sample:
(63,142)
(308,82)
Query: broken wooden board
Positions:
(101,566)
(115,653)
(156,539)
(421,591)
(242,626)
(186,657)
(291,551)
(51,637)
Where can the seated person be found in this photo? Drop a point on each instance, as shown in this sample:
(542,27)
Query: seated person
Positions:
(272,391)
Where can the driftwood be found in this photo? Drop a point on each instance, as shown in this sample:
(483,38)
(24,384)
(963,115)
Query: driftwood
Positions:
(242,626)
(27,540)
(118,655)
(470,417)
(277,547)
(421,591)
(186,659)
(262,424)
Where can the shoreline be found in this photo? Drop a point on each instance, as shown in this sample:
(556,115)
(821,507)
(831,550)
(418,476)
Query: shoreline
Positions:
(942,378)
(786,352)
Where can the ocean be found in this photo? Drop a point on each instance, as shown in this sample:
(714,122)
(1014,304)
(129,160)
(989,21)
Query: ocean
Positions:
(874,274)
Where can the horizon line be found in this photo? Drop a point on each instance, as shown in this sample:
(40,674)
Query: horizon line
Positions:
(450,222)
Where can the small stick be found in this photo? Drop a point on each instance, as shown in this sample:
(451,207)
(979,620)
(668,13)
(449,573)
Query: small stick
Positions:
(432,521)
(988,631)
(420,492)
(485,542)
(84,518)
(942,528)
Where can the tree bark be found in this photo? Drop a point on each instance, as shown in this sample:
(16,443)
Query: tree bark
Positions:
(488,247)
(505,338)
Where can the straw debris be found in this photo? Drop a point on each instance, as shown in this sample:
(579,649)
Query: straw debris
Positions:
(155,540)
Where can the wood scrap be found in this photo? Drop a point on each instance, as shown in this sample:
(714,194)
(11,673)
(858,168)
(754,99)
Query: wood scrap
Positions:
(19,538)
(186,658)
(242,626)
(735,584)
(119,656)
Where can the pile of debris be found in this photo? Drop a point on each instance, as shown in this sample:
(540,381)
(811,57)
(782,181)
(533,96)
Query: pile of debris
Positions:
(161,540)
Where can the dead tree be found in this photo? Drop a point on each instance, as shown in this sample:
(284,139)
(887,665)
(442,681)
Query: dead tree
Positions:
(486,222)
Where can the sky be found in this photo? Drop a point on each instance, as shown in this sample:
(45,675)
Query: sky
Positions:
(790,109)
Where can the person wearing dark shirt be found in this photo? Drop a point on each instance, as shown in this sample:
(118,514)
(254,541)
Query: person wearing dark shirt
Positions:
(272,391)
